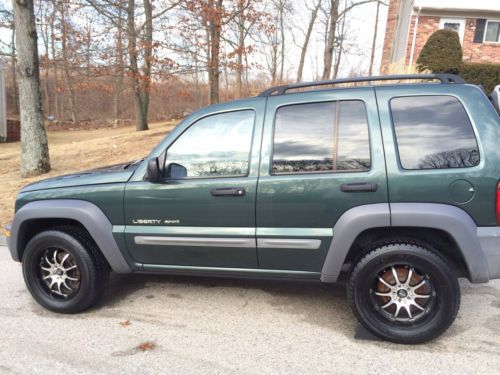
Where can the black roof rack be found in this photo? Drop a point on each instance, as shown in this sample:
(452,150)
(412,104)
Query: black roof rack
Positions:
(444,78)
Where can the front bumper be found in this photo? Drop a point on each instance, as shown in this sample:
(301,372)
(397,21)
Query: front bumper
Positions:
(489,238)
(8,236)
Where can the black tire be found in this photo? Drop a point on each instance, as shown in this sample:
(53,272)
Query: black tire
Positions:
(440,305)
(91,267)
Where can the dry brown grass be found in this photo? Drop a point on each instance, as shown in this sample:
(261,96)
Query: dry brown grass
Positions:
(72,151)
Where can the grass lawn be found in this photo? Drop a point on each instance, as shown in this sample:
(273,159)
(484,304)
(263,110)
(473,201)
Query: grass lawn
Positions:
(76,150)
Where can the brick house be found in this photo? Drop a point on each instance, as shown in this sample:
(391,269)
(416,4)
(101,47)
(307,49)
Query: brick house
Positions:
(411,22)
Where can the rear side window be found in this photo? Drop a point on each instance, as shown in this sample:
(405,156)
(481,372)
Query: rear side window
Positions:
(433,132)
(321,137)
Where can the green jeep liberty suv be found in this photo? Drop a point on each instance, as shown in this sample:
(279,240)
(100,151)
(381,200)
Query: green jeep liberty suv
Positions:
(392,187)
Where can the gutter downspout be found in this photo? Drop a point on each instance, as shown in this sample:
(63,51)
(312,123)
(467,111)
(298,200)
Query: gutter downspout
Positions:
(414,37)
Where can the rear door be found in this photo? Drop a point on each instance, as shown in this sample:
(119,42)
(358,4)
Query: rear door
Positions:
(322,154)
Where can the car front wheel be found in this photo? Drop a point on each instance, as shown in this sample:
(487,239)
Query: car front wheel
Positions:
(64,270)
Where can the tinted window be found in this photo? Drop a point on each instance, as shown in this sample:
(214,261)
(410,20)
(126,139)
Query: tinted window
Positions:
(217,145)
(320,137)
(433,132)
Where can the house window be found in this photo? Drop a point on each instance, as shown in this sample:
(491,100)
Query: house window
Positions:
(492,33)
(455,24)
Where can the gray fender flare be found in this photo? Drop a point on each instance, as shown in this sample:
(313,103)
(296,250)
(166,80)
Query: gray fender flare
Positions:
(348,227)
(450,219)
(453,220)
(86,213)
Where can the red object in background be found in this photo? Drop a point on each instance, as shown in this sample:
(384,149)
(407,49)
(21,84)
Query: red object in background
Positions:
(13,131)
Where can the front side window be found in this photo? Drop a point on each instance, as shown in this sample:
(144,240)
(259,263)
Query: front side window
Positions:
(215,146)
(321,137)
(492,33)
(433,132)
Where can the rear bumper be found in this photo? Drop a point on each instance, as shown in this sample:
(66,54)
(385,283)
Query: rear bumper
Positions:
(489,238)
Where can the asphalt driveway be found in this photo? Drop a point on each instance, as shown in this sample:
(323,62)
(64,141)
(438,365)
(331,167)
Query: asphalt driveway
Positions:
(152,324)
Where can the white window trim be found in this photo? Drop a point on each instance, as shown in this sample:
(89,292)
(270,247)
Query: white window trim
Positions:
(461,21)
(486,28)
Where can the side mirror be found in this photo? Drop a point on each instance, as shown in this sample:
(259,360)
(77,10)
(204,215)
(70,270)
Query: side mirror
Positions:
(153,170)
(175,170)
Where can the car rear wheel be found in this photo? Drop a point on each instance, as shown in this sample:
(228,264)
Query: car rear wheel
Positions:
(404,292)
(64,270)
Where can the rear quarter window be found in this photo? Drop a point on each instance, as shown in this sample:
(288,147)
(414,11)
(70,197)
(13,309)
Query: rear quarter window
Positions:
(433,132)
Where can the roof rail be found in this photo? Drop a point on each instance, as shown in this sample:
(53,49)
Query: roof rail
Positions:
(444,78)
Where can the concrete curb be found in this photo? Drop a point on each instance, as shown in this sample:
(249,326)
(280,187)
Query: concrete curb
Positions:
(3,241)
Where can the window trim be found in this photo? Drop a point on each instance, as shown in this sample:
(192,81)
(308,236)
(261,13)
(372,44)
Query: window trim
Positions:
(432,170)
(343,171)
(165,179)
(486,29)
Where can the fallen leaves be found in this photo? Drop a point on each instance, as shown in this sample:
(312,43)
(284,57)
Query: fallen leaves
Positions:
(145,346)
(125,323)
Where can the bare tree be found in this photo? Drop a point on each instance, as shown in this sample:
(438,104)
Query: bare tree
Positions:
(312,20)
(140,46)
(214,35)
(374,42)
(334,15)
(68,78)
(119,69)
(34,146)
(7,21)
(332,25)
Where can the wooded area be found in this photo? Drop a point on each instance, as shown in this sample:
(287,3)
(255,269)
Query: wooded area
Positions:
(140,60)
(157,59)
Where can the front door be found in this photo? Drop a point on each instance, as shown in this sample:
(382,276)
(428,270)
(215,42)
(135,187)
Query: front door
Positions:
(202,214)
(322,155)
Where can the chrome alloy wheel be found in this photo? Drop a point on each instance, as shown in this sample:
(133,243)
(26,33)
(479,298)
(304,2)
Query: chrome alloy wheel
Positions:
(59,272)
(403,294)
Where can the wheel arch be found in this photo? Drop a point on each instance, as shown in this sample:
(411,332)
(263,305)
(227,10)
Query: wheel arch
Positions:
(447,221)
(37,216)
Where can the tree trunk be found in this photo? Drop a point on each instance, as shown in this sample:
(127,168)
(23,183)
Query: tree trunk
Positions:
(215,34)
(67,73)
(282,40)
(372,55)
(328,55)
(57,106)
(141,118)
(241,49)
(14,76)
(34,145)
(338,58)
(119,68)
(46,83)
(312,20)
(148,56)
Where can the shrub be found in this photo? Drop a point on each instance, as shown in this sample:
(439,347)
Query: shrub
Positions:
(487,75)
(442,53)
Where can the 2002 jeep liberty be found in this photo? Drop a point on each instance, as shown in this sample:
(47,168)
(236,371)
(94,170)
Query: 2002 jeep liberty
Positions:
(392,187)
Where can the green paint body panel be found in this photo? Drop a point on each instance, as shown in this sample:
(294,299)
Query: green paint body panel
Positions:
(433,186)
(313,200)
(108,197)
(294,206)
